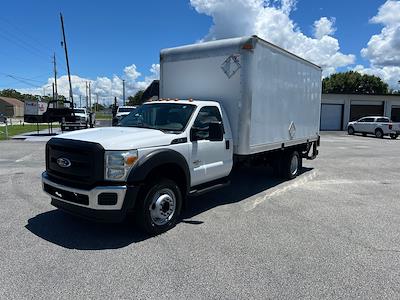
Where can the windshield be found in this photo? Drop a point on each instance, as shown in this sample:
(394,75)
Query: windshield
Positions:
(125,109)
(79,111)
(161,116)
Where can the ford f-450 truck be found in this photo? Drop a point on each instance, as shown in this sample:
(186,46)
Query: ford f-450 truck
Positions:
(221,103)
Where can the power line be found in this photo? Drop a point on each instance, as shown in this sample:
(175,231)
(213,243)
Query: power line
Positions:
(24,81)
(38,43)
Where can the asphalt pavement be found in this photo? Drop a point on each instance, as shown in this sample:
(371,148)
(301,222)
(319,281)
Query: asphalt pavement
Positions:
(333,232)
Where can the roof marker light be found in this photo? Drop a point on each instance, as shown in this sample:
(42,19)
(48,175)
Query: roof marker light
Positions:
(248,46)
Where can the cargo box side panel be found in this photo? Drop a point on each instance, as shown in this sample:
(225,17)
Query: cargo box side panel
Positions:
(286,99)
(203,78)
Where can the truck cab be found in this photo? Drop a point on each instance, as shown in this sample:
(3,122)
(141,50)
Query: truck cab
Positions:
(162,151)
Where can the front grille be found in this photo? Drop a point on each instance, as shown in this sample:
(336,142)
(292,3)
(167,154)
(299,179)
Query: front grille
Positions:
(86,162)
(66,195)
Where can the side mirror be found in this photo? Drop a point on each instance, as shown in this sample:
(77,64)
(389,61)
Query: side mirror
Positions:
(216,132)
(196,134)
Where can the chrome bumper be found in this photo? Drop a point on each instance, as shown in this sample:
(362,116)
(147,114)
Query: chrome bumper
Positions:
(92,194)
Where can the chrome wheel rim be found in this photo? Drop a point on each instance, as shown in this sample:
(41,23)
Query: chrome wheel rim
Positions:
(378,134)
(294,165)
(162,207)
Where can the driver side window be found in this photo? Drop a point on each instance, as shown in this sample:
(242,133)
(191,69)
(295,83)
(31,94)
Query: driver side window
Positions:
(207,115)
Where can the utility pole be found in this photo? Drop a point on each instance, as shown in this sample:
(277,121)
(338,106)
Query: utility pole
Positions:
(97,102)
(66,58)
(87,99)
(53,91)
(123,91)
(90,98)
(80,100)
(55,96)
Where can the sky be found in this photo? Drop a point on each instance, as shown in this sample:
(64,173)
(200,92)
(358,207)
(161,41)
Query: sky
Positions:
(109,41)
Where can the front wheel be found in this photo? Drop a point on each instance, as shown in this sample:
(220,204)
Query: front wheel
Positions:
(160,208)
(350,130)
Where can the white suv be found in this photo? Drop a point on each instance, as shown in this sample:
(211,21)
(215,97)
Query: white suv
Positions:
(378,126)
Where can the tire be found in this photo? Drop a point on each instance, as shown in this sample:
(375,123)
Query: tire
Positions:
(159,206)
(394,136)
(350,130)
(291,165)
(379,133)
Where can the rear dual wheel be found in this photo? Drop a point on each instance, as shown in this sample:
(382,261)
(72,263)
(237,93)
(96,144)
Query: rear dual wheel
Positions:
(289,165)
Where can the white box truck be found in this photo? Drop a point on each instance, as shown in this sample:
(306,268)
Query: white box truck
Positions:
(222,103)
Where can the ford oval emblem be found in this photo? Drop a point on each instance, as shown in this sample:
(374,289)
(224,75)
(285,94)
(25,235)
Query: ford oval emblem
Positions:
(63,162)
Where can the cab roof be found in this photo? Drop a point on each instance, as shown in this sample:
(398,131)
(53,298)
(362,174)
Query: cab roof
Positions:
(184,101)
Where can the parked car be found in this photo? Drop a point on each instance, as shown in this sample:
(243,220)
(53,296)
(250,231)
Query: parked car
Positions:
(82,114)
(3,118)
(177,146)
(378,126)
(122,112)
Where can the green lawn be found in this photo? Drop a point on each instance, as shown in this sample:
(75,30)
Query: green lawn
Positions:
(19,129)
(102,116)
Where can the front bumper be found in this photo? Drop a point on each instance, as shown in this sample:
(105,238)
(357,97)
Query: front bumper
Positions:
(102,203)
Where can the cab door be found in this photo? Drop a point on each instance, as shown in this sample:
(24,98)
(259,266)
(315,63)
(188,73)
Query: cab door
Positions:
(209,160)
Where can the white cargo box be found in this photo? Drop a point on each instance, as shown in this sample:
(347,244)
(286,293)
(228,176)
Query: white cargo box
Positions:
(35,108)
(272,97)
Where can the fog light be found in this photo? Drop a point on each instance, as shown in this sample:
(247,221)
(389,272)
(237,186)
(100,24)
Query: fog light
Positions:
(107,199)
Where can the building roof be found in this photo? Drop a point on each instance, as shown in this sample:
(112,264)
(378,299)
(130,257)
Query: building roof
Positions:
(152,90)
(12,101)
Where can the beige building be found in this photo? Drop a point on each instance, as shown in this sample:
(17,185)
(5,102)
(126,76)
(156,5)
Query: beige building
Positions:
(11,107)
(339,109)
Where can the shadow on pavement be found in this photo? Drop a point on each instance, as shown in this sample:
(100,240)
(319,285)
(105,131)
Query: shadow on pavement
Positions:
(74,233)
(71,232)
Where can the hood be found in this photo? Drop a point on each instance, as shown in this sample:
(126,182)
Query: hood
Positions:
(122,138)
(122,114)
(80,115)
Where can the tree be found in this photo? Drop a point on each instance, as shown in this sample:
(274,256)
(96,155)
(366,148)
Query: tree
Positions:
(354,83)
(23,97)
(137,99)
(98,107)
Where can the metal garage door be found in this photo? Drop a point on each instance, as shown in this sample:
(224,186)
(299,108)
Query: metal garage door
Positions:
(331,116)
(395,114)
(361,109)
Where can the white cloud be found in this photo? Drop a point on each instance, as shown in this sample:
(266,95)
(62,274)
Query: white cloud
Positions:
(271,20)
(324,26)
(389,74)
(383,49)
(106,88)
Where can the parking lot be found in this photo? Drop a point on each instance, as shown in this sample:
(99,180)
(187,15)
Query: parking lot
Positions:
(333,232)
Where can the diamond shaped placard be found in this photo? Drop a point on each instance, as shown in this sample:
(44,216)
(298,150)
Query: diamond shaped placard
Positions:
(231,65)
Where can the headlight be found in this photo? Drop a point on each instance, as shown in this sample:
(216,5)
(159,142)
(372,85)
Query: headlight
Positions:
(118,164)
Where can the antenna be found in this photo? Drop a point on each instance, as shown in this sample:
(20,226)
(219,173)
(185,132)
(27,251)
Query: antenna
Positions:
(66,58)
(55,97)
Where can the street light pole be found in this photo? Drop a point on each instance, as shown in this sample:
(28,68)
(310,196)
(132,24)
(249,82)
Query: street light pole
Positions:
(123,91)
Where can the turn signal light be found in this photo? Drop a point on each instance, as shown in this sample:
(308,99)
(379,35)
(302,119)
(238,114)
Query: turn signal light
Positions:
(130,160)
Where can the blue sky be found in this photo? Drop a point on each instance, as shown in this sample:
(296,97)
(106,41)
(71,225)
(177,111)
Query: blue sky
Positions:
(104,37)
